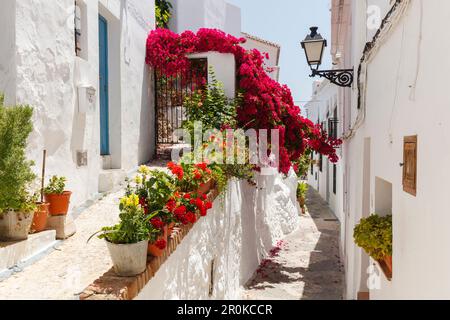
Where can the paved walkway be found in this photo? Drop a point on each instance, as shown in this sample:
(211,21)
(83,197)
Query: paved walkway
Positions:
(305,265)
(68,270)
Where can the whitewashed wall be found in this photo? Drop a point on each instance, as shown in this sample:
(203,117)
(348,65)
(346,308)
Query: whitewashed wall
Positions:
(319,109)
(398,105)
(195,14)
(274,54)
(43,71)
(240,230)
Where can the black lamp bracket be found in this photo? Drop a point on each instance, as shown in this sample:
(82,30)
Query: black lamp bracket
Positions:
(340,77)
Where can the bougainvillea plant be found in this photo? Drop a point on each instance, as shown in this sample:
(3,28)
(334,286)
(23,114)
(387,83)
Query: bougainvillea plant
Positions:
(266,104)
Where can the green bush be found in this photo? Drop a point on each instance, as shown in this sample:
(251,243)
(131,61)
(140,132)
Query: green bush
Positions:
(56,185)
(302,189)
(15,170)
(162,13)
(374,235)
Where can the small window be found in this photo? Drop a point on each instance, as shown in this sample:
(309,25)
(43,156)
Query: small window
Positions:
(410,165)
(321,163)
(312,163)
(334,179)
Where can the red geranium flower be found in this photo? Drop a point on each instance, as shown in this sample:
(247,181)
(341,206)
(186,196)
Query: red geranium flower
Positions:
(161,244)
(191,217)
(180,210)
(157,223)
(171,205)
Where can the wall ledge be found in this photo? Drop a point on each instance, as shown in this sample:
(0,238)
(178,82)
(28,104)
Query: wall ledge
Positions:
(112,287)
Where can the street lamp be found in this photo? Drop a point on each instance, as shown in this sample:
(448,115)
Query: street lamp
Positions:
(314,46)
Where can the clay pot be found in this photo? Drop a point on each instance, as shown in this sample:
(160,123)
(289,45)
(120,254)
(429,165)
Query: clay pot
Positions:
(170,228)
(206,187)
(128,259)
(59,203)
(40,218)
(154,250)
(15,226)
(388,262)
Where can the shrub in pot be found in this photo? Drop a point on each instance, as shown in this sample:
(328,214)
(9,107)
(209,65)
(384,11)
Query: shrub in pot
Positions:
(57,197)
(17,205)
(374,235)
(128,240)
(302,190)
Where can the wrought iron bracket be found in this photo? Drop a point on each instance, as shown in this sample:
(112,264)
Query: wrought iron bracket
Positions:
(340,77)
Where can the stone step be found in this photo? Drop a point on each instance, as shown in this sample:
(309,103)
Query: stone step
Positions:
(110,179)
(14,253)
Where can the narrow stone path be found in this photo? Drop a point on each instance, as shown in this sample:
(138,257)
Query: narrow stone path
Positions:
(305,265)
(69,269)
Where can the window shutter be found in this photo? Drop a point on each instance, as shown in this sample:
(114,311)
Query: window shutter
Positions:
(410,165)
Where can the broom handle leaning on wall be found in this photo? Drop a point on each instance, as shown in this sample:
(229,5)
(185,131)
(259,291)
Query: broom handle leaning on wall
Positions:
(43,175)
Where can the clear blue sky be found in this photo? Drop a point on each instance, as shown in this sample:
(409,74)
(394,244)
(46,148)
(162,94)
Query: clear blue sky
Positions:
(287,22)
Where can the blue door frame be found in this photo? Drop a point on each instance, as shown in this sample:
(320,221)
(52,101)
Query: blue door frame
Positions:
(104,98)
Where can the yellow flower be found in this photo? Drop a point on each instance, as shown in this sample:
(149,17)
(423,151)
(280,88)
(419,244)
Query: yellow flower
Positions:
(144,170)
(130,201)
(138,179)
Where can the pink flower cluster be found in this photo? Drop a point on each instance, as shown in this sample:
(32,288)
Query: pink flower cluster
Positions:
(266,103)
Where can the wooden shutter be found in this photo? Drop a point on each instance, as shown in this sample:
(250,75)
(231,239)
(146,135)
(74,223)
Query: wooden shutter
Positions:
(410,165)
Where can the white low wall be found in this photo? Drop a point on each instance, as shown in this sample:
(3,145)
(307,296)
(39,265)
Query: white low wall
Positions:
(243,226)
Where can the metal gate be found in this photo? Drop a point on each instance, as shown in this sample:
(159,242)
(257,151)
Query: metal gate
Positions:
(171,93)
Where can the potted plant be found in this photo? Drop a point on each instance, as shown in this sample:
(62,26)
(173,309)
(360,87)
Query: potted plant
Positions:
(302,190)
(17,205)
(40,217)
(374,235)
(193,177)
(128,240)
(158,237)
(57,197)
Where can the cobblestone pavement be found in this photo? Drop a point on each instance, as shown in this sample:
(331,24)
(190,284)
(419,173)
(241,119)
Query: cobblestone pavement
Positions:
(68,270)
(305,265)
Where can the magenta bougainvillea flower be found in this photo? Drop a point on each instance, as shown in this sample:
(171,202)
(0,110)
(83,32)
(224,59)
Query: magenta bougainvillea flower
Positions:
(266,103)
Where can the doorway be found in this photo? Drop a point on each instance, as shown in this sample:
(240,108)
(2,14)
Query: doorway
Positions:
(104,86)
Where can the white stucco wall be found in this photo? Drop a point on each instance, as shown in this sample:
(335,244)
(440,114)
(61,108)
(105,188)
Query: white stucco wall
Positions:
(46,73)
(274,54)
(215,14)
(318,110)
(394,108)
(237,234)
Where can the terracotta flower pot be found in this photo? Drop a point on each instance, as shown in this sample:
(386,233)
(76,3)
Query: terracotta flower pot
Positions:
(171,227)
(59,203)
(40,218)
(388,261)
(206,187)
(15,226)
(166,232)
(154,250)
